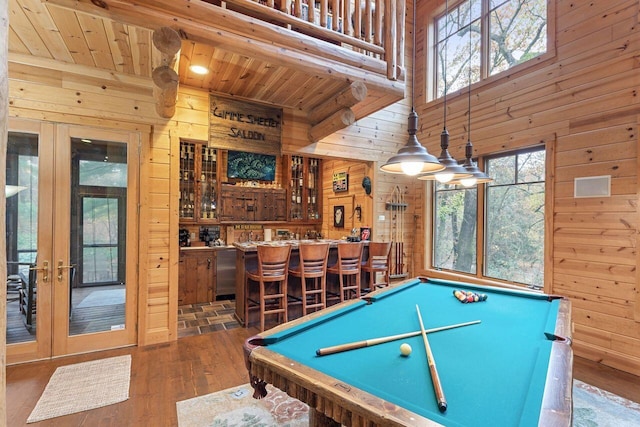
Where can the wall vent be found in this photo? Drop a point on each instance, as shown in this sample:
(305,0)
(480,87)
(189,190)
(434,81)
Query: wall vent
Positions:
(592,186)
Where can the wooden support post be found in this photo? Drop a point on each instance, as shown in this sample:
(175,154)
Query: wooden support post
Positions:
(353,94)
(165,75)
(338,120)
(165,91)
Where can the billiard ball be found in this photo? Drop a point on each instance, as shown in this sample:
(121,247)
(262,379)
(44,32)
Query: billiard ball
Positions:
(405,349)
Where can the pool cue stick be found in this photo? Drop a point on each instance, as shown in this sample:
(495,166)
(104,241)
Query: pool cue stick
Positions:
(381,340)
(437,386)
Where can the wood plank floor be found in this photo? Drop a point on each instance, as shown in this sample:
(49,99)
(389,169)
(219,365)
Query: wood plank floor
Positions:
(194,366)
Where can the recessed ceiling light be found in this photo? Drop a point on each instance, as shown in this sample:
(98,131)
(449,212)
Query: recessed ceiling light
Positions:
(199,69)
(86,141)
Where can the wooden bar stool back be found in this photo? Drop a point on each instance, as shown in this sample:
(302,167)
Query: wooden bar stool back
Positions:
(312,272)
(378,262)
(272,277)
(348,269)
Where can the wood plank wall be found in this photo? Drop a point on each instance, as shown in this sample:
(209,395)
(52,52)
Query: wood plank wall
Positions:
(583,101)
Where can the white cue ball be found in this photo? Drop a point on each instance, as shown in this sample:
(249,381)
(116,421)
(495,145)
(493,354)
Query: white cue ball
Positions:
(405,349)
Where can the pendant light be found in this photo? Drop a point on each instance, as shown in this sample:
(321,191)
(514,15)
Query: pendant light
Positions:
(452,170)
(476,175)
(413,158)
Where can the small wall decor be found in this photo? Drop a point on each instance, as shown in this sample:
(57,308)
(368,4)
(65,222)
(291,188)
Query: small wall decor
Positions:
(366,184)
(340,182)
(338,216)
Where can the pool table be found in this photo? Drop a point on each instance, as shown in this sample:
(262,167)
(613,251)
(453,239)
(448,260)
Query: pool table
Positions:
(513,368)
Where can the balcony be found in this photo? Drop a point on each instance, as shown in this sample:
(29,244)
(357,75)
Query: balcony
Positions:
(336,64)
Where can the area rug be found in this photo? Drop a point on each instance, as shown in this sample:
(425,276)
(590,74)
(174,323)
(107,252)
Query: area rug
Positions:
(593,407)
(103,297)
(84,386)
(236,407)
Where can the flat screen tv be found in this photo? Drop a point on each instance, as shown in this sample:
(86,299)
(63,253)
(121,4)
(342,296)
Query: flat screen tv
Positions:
(254,166)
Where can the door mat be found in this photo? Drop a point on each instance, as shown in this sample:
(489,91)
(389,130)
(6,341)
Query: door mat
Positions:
(84,386)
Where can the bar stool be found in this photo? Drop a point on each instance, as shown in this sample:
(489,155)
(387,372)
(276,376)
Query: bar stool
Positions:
(378,262)
(271,276)
(312,272)
(348,269)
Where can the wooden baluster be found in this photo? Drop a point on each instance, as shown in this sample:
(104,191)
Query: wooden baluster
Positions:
(378,13)
(368,29)
(335,10)
(357,20)
(391,40)
(347,28)
(297,8)
(311,11)
(400,6)
(323,13)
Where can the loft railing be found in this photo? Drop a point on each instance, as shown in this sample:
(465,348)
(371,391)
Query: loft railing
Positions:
(376,28)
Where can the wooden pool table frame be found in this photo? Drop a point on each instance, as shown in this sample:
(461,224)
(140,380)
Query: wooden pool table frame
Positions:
(332,402)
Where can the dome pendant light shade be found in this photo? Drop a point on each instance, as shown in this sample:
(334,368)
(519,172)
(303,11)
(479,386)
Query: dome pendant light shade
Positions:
(452,170)
(413,158)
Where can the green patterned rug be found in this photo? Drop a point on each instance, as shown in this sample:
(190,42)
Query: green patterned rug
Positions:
(593,407)
(235,407)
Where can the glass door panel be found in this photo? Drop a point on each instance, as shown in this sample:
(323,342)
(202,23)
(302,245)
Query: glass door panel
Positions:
(28,223)
(71,239)
(98,258)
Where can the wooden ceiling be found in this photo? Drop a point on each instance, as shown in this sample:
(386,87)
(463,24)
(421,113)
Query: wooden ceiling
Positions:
(116,36)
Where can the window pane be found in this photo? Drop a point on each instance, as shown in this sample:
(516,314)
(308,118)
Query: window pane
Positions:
(100,264)
(518,33)
(531,167)
(454,243)
(502,170)
(459,38)
(514,241)
(103,174)
(99,240)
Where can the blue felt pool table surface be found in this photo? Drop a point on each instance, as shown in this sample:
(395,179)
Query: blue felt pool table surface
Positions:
(493,373)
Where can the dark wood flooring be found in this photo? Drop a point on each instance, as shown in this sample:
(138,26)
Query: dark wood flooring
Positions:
(194,366)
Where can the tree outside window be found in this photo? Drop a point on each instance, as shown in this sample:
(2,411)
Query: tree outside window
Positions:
(513,218)
(455,219)
(488,36)
(514,244)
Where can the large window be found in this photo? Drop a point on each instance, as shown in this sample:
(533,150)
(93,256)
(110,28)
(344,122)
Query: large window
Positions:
(511,244)
(485,37)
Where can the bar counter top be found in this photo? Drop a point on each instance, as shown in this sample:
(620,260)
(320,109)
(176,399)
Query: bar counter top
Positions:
(203,248)
(251,246)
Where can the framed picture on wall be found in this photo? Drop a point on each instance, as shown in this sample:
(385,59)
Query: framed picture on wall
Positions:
(338,216)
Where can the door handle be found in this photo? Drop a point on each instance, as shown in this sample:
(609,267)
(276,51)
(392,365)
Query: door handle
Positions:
(44,269)
(60,267)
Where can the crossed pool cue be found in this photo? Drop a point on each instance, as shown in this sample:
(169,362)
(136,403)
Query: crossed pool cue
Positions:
(433,371)
(375,341)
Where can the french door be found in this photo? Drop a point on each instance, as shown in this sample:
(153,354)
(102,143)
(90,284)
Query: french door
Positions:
(72,239)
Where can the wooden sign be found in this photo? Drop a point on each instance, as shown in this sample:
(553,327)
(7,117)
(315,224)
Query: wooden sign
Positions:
(240,125)
(340,182)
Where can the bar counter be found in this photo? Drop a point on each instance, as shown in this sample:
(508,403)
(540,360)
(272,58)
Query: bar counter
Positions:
(247,258)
